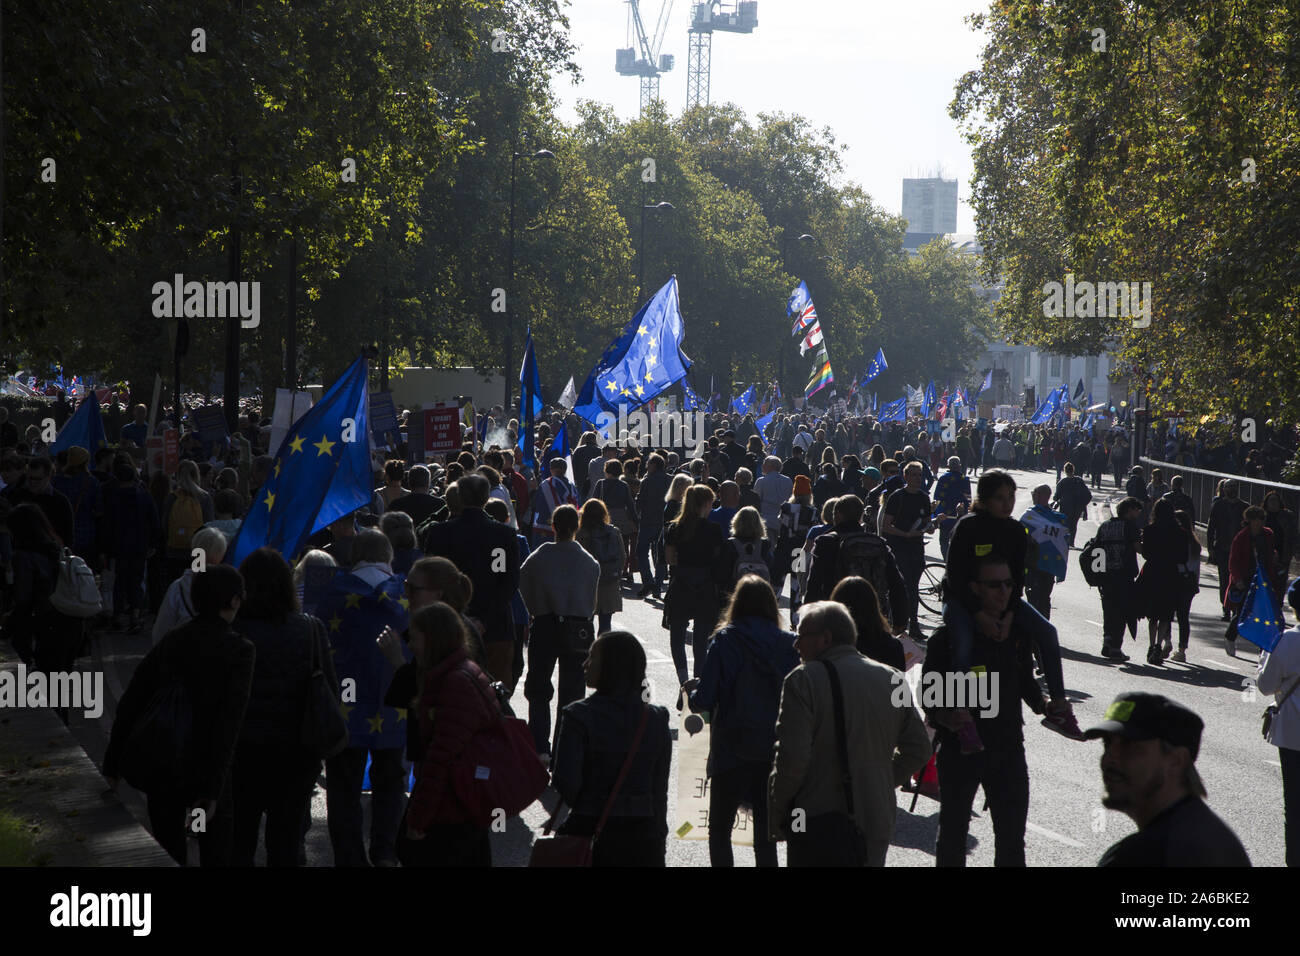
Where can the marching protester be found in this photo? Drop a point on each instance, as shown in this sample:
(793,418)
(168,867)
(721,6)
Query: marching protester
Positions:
(875,637)
(1049,545)
(831,789)
(1251,548)
(1227,513)
(1072,497)
(1164,547)
(904,523)
(1278,674)
(602,540)
(701,561)
(1118,539)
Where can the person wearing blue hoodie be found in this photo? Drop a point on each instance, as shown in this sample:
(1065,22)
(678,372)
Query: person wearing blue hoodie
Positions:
(740,687)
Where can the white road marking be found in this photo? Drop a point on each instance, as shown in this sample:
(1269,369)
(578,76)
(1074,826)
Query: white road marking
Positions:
(1222,662)
(1053,835)
(1097,623)
(1274,763)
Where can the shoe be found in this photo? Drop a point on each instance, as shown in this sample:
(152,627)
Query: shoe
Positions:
(1167,647)
(1227,615)
(1179,655)
(642,593)
(1230,646)
(1154,657)
(1113,653)
(1064,723)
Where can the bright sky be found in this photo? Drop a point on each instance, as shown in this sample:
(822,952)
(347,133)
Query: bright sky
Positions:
(880,74)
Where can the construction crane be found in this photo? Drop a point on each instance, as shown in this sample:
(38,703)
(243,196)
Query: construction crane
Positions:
(641,57)
(706,17)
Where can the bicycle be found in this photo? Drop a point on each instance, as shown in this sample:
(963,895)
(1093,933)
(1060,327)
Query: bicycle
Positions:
(929,589)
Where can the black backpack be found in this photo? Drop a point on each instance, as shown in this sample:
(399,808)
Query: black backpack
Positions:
(154,756)
(865,555)
(750,735)
(1087,559)
(749,560)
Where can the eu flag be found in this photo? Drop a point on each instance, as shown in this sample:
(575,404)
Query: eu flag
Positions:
(321,472)
(895,411)
(530,403)
(878,365)
(1051,405)
(741,405)
(762,424)
(1261,619)
(928,401)
(644,361)
(988,383)
(691,401)
(85,428)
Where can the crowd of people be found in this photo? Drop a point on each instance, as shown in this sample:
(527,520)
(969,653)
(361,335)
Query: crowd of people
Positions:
(423,610)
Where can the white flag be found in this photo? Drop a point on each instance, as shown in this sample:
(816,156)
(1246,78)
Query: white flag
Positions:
(812,339)
(570,396)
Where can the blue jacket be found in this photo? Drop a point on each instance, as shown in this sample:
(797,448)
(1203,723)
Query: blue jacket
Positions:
(744,713)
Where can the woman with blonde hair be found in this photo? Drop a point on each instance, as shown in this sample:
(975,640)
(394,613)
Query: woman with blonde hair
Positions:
(696,550)
(187,509)
(604,542)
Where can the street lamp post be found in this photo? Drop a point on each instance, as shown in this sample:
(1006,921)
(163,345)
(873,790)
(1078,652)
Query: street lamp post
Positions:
(640,269)
(510,287)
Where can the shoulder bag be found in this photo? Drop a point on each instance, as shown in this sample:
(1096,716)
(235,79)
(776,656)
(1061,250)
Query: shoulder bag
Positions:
(324,732)
(1271,712)
(834,838)
(562,850)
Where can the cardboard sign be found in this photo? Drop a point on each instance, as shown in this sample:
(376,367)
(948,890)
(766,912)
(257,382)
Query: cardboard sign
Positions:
(441,430)
(171,439)
(210,422)
(383,416)
(153,454)
(692,817)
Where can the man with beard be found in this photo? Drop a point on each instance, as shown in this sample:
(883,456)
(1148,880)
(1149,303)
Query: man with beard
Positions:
(1149,771)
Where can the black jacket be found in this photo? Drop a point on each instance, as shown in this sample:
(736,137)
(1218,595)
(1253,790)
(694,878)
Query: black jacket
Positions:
(822,579)
(216,665)
(650,500)
(281,676)
(470,541)
(975,535)
(591,744)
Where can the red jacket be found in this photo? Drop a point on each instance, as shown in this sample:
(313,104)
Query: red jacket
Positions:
(456,703)
(1241,561)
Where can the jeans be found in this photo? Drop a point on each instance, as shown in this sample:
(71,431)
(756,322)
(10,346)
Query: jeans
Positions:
(699,644)
(1290,760)
(278,783)
(945,536)
(1038,591)
(543,655)
(343,776)
(128,583)
(961,635)
(646,543)
(604,622)
(1184,615)
(1003,773)
(1116,614)
(1222,568)
(1072,522)
(746,783)
(910,557)
(171,823)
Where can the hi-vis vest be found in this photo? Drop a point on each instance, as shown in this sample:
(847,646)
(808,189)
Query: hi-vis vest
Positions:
(552,493)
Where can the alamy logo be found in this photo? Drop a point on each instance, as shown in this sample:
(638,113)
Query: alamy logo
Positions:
(79,690)
(658,429)
(1087,300)
(76,909)
(208,300)
(973,690)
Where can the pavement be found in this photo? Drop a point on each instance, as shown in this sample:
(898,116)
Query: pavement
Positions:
(1067,824)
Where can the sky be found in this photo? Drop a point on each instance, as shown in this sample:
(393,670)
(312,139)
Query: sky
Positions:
(879,74)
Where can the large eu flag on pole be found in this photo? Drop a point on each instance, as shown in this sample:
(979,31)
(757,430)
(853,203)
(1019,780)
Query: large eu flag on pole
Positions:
(742,404)
(1051,405)
(644,361)
(321,472)
(530,403)
(690,401)
(895,411)
(85,428)
(878,365)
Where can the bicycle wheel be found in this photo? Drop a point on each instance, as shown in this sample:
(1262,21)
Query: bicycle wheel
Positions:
(928,589)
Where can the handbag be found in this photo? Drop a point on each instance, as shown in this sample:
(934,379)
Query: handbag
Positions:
(324,731)
(499,770)
(834,838)
(1271,712)
(565,850)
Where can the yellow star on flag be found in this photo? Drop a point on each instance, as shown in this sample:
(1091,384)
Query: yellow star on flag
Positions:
(277,469)
(611,385)
(269,501)
(376,723)
(649,376)
(406,604)
(296,444)
(643,331)
(352,600)
(323,446)
(383,596)
(401,714)
(347,710)
(650,361)
(335,621)
(640,390)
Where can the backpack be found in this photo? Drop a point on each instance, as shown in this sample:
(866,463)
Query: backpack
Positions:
(1095,579)
(865,555)
(154,757)
(75,592)
(498,770)
(749,560)
(186,517)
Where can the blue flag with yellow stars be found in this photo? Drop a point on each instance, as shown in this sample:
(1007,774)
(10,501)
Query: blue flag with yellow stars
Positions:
(321,472)
(690,401)
(878,365)
(645,360)
(85,429)
(1261,619)
(530,403)
(354,613)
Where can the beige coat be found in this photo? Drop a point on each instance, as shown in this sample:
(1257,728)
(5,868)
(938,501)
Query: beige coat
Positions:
(886,744)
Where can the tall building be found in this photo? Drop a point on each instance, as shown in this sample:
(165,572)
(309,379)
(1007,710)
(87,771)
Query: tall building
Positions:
(930,205)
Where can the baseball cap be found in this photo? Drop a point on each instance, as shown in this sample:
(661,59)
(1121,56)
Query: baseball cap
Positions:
(1140,716)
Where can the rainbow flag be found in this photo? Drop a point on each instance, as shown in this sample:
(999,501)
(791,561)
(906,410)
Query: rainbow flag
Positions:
(821,376)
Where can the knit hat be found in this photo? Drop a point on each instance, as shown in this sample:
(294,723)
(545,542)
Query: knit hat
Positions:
(802,486)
